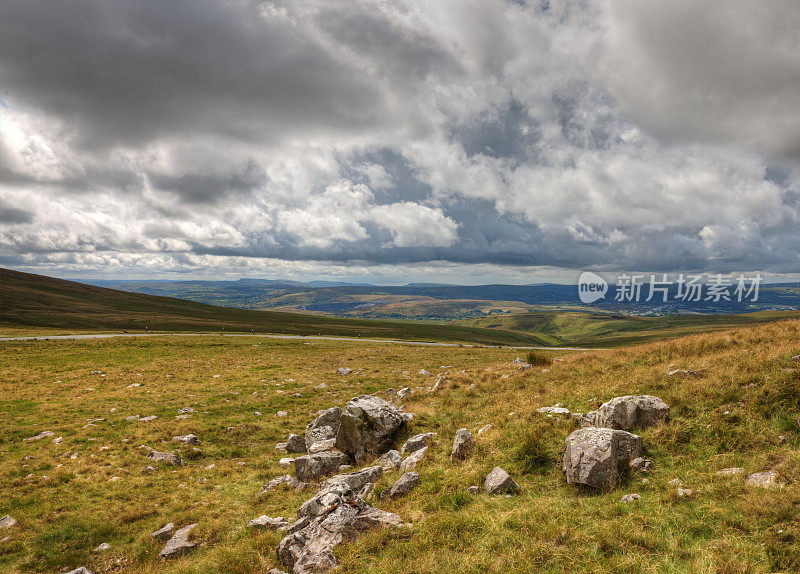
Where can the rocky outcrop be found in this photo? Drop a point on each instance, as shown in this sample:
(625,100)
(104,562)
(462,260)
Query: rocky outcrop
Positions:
(417,442)
(268,523)
(321,433)
(628,412)
(168,457)
(390,460)
(597,457)
(296,444)
(404,484)
(367,427)
(163,533)
(463,446)
(311,467)
(413,459)
(179,543)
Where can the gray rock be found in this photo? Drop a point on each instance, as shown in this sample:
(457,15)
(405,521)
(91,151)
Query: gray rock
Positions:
(685,492)
(268,523)
(463,446)
(296,444)
(40,436)
(286,462)
(80,570)
(179,543)
(733,471)
(276,571)
(187,439)
(149,419)
(499,482)
(169,457)
(554,410)
(631,498)
(367,427)
(344,371)
(643,465)
(287,479)
(390,460)
(596,457)
(323,428)
(474,489)
(404,392)
(313,466)
(628,412)
(416,442)
(484,429)
(411,462)
(298,524)
(103,547)
(404,484)
(164,533)
(768,479)
(185,410)
(7,522)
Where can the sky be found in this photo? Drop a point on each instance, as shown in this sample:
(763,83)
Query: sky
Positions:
(439,141)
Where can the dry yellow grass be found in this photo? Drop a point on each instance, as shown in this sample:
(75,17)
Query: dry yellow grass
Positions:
(731,414)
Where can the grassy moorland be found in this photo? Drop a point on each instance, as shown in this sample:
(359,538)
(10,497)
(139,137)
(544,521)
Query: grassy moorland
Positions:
(36,301)
(745,394)
(578,328)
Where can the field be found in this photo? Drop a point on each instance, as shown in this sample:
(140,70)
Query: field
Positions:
(745,394)
(578,328)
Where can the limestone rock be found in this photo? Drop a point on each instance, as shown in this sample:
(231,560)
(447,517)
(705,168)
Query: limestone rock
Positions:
(463,446)
(179,543)
(554,410)
(416,442)
(7,522)
(169,457)
(103,547)
(344,371)
(187,439)
(733,471)
(628,412)
(404,484)
(313,466)
(768,479)
(643,465)
(40,436)
(296,444)
(164,533)
(596,457)
(265,521)
(286,479)
(499,482)
(390,460)
(631,498)
(410,463)
(323,429)
(80,570)
(367,426)
(474,489)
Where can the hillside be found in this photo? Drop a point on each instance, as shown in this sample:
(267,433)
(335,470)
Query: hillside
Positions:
(39,301)
(88,483)
(564,328)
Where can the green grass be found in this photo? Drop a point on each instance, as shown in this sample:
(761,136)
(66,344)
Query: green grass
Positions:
(43,302)
(589,329)
(730,414)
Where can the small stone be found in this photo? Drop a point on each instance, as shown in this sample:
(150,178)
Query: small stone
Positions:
(281,414)
(58,440)
(313,466)
(187,439)
(554,410)
(163,533)
(169,457)
(675,482)
(40,436)
(463,446)
(631,498)
(343,371)
(390,460)
(281,447)
(179,543)
(404,484)
(268,523)
(7,522)
(413,459)
(80,570)
(643,465)
(499,482)
(768,479)
(148,419)
(645,481)
(733,471)
(417,442)
(404,392)
(474,489)
(184,410)
(285,462)
(782,439)
(132,418)
(296,444)
(685,492)
(484,429)
(103,547)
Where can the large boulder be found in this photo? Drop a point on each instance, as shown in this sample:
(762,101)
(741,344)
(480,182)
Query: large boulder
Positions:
(417,442)
(596,457)
(314,466)
(628,412)
(367,427)
(321,433)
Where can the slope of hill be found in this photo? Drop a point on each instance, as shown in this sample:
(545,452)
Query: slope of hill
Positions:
(36,300)
(562,328)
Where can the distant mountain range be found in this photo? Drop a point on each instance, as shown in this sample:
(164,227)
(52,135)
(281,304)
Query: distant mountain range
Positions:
(440,302)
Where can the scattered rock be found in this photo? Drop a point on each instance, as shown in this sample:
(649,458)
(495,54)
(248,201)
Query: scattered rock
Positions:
(404,392)
(179,543)
(390,460)
(628,412)
(675,482)
(313,466)
(184,410)
(343,371)
(417,442)
(7,522)
(280,447)
(281,414)
(404,484)
(768,479)
(169,457)
(322,431)
(733,471)
(268,523)
(103,547)
(80,570)
(413,459)
(296,444)
(474,489)
(596,457)
(287,479)
(685,492)
(40,436)
(554,410)
(643,465)
(463,446)
(187,439)
(631,498)
(151,418)
(424,373)
(367,426)
(782,439)
(164,533)
(499,482)
(484,429)
(682,372)
(285,462)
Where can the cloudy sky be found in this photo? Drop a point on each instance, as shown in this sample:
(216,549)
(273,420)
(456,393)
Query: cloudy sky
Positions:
(446,141)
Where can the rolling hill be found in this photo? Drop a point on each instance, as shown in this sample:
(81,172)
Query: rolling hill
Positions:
(39,301)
